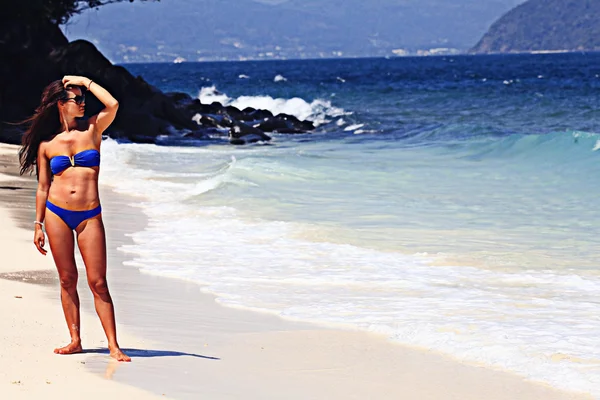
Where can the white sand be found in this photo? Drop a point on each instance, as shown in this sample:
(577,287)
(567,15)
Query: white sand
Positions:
(257,356)
(32,325)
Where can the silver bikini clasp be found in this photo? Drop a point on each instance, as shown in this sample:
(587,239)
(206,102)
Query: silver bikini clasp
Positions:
(72,159)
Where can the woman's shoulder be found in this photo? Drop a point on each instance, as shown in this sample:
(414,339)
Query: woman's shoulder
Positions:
(43,147)
(48,143)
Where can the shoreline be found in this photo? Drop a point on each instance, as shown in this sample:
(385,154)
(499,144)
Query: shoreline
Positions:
(32,324)
(193,346)
(392,55)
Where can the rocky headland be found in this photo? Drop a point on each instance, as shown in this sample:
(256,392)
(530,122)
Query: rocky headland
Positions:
(545,26)
(34,54)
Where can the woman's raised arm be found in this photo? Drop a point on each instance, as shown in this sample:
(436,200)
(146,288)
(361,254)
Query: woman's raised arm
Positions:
(104,118)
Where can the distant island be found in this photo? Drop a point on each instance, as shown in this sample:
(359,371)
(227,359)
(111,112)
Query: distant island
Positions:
(208,30)
(539,26)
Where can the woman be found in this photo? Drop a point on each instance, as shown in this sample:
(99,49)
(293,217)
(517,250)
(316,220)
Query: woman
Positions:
(64,148)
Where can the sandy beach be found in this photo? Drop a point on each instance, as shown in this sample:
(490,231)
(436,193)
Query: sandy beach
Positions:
(184,345)
(31,322)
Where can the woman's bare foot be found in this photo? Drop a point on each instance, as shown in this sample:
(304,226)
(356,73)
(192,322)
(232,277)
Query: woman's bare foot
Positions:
(71,348)
(118,355)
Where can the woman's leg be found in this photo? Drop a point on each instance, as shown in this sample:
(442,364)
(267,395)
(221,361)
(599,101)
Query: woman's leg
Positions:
(92,245)
(62,246)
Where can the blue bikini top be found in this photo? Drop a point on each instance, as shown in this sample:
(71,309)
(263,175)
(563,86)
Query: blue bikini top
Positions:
(85,158)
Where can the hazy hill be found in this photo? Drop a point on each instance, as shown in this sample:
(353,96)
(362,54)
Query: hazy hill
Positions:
(213,29)
(545,25)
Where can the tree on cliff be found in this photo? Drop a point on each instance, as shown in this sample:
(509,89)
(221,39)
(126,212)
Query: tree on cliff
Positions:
(31,54)
(54,11)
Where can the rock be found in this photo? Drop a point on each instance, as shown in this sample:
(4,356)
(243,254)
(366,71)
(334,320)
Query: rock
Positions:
(198,108)
(272,125)
(246,139)
(240,128)
(233,112)
(241,133)
(255,115)
(283,123)
(179,99)
(295,123)
(208,120)
(139,126)
(31,56)
(24,69)
(161,107)
(216,121)
(136,96)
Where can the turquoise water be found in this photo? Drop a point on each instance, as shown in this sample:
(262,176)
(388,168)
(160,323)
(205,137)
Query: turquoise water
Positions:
(446,202)
(519,201)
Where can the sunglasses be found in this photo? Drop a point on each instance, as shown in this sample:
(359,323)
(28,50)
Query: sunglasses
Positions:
(79,100)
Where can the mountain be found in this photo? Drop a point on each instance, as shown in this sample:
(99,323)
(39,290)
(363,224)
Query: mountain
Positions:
(266,29)
(545,25)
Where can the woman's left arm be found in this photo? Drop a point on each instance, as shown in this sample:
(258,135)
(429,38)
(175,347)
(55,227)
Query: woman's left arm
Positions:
(104,118)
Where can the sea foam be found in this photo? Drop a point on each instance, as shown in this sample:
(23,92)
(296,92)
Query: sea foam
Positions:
(540,324)
(318,111)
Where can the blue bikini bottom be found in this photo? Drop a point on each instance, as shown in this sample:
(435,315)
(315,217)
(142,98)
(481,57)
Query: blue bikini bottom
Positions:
(73,218)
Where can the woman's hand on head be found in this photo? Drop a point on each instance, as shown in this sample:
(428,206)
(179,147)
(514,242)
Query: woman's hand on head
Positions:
(74,80)
(39,239)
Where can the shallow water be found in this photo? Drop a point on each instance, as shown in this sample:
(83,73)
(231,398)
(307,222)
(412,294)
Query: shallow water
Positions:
(446,202)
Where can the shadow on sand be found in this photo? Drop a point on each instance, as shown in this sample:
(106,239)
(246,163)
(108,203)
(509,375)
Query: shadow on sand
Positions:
(138,353)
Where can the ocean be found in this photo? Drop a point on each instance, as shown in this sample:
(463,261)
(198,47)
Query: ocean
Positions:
(444,202)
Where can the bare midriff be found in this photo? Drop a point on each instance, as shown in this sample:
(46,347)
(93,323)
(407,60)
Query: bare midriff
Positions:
(75,189)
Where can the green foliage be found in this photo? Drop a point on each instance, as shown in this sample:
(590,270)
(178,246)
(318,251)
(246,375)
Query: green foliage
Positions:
(54,11)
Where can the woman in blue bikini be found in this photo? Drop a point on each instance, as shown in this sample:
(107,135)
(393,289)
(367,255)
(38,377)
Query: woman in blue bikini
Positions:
(64,150)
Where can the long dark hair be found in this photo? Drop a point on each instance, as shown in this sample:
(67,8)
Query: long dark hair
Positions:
(44,124)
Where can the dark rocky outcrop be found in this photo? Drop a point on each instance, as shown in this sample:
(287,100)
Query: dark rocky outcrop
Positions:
(545,25)
(33,55)
(241,133)
(24,70)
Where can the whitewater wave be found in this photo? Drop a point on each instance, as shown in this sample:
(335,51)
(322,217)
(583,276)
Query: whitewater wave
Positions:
(318,111)
(272,266)
(354,127)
